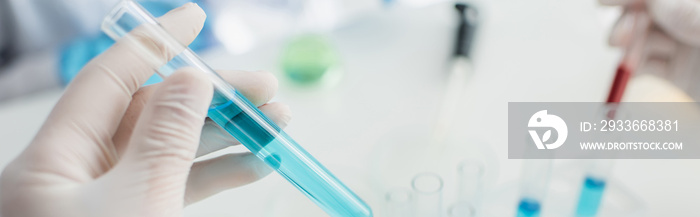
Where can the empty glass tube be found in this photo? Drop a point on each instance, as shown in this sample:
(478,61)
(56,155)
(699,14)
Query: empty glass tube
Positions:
(533,186)
(470,175)
(470,182)
(428,195)
(130,23)
(399,203)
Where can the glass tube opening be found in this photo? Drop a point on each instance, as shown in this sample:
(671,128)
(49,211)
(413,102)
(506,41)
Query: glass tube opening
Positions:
(427,183)
(471,168)
(125,16)
(129,23)
(428,195)
(461,210)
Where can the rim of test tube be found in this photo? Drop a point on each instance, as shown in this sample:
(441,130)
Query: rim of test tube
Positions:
(461,210)
(470,166)
(116,14)
(427,183)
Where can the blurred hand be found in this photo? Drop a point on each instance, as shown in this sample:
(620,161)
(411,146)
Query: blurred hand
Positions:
(670,47)
(111,148)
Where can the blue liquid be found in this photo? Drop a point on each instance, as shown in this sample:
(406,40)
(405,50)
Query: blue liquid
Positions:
(239,117)
(247,124)
(528,208)
(591,196)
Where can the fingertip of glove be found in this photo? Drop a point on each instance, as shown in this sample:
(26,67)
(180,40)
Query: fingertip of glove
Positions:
(280,113)
(184,23)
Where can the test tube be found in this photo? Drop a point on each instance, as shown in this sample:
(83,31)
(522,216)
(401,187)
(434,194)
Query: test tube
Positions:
(470,174)
(399,203)
(428,195)
(533,186)
(593,187)
(131,23)
(598,170)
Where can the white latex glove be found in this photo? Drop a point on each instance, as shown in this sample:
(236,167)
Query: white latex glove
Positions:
(671,44)
(112,148)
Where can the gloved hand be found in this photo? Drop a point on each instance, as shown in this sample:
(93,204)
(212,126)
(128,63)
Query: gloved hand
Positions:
(670,44)
(113,148)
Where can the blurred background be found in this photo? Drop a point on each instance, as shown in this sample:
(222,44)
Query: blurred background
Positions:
(369,82)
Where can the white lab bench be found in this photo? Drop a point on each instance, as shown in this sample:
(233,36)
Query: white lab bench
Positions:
(394,64)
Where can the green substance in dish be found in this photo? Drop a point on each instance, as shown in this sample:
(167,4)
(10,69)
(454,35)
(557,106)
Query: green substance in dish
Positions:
(307,58)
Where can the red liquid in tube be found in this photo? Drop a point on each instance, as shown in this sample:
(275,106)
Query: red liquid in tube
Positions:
(622,76)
